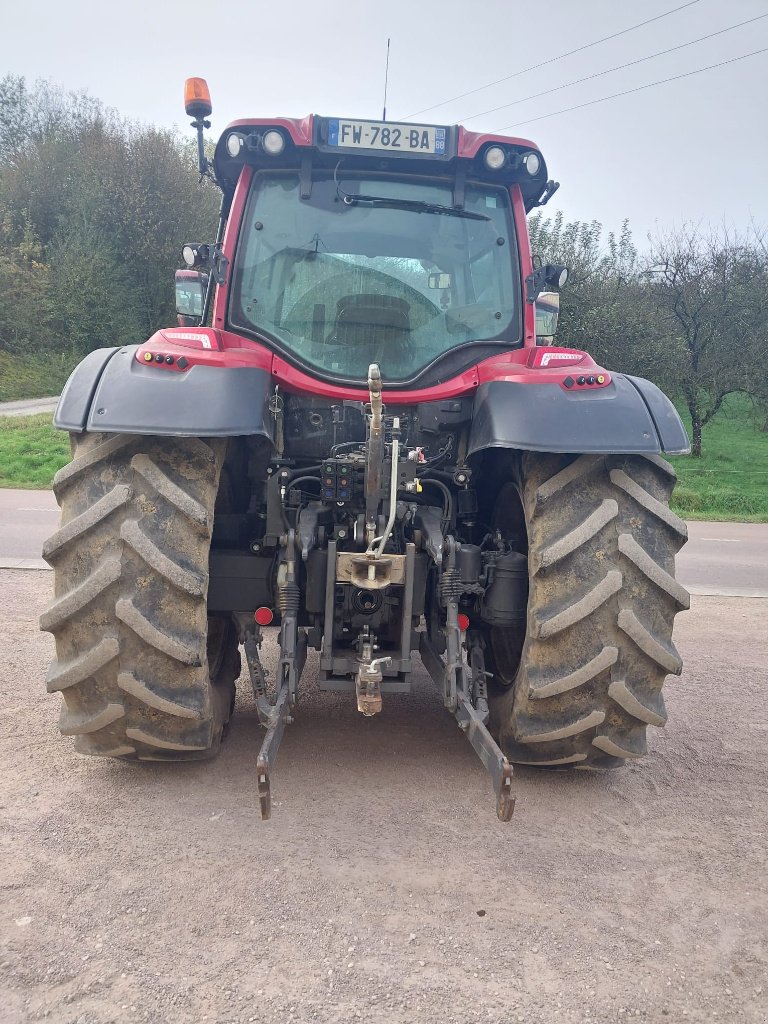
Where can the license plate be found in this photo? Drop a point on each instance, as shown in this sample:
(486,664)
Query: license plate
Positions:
(386,135)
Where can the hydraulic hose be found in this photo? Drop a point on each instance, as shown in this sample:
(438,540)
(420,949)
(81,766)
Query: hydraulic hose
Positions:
(375,452)
(392,500)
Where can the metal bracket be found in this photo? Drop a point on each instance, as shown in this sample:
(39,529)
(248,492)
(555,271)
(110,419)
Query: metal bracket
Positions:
(549,190)
(219,264)
(279,718)
(305,177)
(293,655)
(458,682)
(258,676)
(535,283)
(460,185)
(472,723)
(490,754)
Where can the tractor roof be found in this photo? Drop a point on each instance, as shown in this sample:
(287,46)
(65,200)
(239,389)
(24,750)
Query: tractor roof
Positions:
(316,142)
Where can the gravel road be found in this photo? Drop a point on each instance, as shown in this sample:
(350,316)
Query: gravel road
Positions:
(28,406)
(384,888)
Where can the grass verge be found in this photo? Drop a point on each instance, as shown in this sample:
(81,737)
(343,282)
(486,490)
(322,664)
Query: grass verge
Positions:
(31,451)
(33,376)
(730,480)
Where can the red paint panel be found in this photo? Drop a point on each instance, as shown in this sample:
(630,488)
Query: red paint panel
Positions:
(470,142)
(230,242)
(299,382)
(230,351)
(526,264)
(299,129)
(524,367)
(204,338)
(227,351)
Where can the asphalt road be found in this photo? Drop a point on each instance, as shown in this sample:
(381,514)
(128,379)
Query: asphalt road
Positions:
(720,559)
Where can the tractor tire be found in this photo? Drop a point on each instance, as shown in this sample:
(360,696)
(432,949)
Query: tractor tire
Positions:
(144,673)
(602,599)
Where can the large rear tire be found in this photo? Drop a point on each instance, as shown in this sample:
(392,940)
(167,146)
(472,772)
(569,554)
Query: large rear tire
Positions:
(602,600)
(143,671)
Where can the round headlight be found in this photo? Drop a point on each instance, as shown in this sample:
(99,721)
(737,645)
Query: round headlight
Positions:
(532,162)
(562,278)
(234,144)
(495,158)
(189,255)
(273,142)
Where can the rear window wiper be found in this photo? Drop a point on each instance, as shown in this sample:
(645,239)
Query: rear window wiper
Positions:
(417,205)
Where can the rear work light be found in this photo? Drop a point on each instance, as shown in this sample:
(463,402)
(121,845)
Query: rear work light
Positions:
(495,158)
(273,142)
(235,143)
(532,163)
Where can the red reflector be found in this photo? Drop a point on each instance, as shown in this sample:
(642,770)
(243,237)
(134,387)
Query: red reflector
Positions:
(263,616)
(463,621)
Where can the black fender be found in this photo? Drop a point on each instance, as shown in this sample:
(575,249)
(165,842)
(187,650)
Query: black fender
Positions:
(629,416)
(111,391)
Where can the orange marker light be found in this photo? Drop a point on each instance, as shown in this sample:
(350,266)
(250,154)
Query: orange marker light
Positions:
(197,99)
(147,357)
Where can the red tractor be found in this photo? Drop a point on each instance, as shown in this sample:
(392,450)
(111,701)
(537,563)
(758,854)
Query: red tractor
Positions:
(367,449)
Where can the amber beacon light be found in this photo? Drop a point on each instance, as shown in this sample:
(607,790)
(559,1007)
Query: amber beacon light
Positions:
(197,98)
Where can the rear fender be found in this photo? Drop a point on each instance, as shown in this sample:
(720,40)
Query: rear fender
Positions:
(629,416)
(111,391)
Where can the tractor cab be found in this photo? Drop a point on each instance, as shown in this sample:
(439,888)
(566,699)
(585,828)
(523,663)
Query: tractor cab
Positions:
(354,242)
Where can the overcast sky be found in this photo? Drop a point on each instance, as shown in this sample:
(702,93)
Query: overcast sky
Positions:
(693,149)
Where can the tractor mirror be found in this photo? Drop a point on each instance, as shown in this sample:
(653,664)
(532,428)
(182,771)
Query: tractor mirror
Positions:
(191,287)
(441,281)
(547,310)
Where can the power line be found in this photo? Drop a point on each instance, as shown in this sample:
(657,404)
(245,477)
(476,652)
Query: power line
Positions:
(544,63)
(627,92)
(619,67)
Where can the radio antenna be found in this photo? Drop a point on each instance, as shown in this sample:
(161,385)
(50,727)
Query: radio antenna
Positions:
(386,79)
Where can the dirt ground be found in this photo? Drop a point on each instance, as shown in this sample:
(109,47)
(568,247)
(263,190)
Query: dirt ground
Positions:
(384,888)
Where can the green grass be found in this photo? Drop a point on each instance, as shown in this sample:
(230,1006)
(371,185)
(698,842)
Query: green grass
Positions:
(31,451)
(730,480)
(33,376)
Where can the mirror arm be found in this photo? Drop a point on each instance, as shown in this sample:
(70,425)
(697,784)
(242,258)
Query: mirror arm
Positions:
(548,274)
(549,190)
(535,283)
(202,160)
(213,278)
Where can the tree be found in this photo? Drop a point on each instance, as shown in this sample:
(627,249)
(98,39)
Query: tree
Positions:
(710,291)
(93,213)
(605,307)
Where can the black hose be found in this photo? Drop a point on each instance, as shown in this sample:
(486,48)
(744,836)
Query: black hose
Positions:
(300,480)
(447,496)
(346,444)
(302,471)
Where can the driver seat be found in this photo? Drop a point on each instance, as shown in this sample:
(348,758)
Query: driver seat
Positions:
(376,321)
